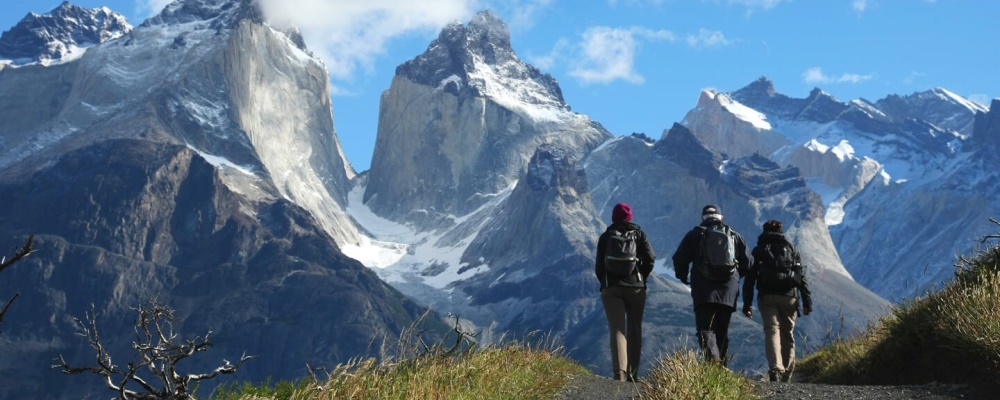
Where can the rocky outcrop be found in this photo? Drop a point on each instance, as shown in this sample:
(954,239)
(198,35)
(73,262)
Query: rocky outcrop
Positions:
(459,124)
(123,221)
(732,128)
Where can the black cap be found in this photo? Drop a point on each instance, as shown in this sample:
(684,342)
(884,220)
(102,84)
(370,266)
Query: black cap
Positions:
(711,211)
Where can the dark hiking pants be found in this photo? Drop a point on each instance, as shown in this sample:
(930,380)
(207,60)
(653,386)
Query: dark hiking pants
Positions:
(712,323)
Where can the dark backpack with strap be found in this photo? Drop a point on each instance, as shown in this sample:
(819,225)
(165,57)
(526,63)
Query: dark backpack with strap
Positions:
(718,253)
(778,270)
(621,252)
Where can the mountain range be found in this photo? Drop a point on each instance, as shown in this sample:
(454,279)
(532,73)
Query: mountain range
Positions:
(194,158)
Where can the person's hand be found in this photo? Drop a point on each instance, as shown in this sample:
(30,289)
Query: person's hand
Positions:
(806,310)
(748,311)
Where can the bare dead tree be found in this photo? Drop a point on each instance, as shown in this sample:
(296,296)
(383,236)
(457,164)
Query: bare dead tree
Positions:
(152,373)
(19,253)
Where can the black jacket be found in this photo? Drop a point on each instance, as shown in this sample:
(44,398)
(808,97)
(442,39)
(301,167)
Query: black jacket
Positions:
(644,252)
(802,291)
(704,290)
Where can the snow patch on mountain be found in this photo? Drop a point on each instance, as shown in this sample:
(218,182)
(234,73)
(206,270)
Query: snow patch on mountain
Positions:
(754,117)
(400,254)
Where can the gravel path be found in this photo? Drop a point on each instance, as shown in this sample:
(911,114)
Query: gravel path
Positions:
(592,387)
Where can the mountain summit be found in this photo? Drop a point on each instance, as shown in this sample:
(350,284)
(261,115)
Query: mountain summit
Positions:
(480,56)
(460,122)
(65,32)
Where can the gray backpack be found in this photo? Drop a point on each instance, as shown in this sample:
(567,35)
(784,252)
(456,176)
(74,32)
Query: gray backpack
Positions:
(718,252)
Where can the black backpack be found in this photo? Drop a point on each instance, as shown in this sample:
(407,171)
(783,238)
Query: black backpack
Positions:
(620,252)
(718,253)
(778,270)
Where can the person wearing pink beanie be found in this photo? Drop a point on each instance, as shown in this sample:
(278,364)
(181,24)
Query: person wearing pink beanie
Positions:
(624,261)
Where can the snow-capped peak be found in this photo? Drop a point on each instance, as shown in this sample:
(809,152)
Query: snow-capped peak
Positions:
(478,57)
(972,105)
(60,35)
(212,14)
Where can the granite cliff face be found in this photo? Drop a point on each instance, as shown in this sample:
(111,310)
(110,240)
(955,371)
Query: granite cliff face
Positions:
(460,122)
(193,159)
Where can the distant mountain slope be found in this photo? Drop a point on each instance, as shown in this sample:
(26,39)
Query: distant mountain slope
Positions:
(894,175)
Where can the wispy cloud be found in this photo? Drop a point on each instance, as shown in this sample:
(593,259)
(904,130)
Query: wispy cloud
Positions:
(706,38)
(350,35)
(981,99)
(816,76)
(150,8)
(521,14)
(752,5)
(912,77)
(608,54)
(859,5)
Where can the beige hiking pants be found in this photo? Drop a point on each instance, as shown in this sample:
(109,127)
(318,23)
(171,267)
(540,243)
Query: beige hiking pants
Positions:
(779,312)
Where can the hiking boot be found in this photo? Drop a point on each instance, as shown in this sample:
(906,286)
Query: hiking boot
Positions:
(772,376)
(621,376)
(786,377)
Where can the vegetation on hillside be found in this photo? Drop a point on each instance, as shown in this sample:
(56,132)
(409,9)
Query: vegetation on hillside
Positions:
(949,335)
(466,370)
(686,375)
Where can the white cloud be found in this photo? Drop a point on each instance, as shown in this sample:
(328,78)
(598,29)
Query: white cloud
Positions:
(754,4)
(981,98)
(522,14)
(859,5)
(554,58)
(608,54)
(707,38)
(912,77)
(816,76)
(349,34)
(150,8)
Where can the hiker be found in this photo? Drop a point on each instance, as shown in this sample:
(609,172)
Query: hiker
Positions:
(781,286)
(624,261)
(711,259)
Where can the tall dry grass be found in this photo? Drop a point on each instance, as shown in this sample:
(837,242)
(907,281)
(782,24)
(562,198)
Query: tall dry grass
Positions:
(685,375)
(949,335)
(509,369)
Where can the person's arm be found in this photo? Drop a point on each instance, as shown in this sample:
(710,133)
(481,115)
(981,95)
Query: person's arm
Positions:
(749,280)
(647,256)
(599,262)
(682,258)
(804,294)
(743,257)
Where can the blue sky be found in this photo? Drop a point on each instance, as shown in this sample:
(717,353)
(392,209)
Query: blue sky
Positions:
(639,65)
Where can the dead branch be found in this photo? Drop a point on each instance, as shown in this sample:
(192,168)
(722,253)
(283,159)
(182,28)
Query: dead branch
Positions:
(986,238)
(153,368)
(3,311)
(5,262)
(461,338)
(18,254)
